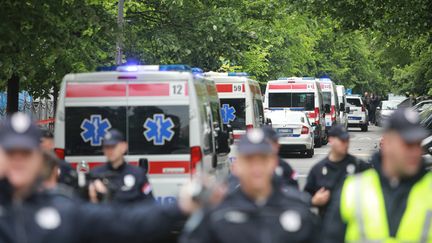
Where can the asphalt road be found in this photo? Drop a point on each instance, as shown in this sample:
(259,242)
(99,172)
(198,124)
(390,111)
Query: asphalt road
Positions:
(363,144)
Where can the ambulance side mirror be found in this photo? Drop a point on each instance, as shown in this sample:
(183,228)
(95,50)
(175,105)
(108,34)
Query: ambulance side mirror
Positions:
(342,106)
(347,109)
(144,164)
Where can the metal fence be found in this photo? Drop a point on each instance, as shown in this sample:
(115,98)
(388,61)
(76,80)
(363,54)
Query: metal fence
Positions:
(41,110)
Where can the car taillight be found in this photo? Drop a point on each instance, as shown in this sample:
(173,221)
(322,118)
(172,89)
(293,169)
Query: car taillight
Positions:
(60,153)
(304,130)
(249,126)
(333,113)
(196,157)
(317,115)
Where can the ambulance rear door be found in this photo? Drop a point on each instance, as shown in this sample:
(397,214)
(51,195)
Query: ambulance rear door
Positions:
(159,129)
(234,105)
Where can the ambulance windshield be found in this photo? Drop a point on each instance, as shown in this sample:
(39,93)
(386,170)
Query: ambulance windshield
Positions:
(292,100)
(233,112)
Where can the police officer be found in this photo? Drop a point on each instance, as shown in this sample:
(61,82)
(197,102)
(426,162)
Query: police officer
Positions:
(393,201)
(284,171)
(66,175)
(27,214)
(257,212)
(127,183)
(327,176)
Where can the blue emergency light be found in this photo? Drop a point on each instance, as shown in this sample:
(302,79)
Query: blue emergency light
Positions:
(240,74)
(308,78)
(170,67)
(174,67)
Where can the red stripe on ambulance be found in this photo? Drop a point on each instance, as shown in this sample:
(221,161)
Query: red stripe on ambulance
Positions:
(280,86)
(149,89)
(74,90)
(227,88)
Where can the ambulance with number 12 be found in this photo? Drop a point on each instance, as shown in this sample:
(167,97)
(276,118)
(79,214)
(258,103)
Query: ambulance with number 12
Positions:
(165,113)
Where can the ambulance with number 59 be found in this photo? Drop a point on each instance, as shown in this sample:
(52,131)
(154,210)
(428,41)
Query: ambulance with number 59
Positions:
(241,101)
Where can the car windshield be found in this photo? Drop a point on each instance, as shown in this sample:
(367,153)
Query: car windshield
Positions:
(389,105)
(354,102)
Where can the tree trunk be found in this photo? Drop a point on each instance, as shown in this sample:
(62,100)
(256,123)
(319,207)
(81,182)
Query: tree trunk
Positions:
(12,94)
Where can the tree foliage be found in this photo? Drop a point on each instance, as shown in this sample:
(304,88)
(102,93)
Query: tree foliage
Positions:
(366,45)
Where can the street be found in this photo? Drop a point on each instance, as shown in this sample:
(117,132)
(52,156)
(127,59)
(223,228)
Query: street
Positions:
(363,144)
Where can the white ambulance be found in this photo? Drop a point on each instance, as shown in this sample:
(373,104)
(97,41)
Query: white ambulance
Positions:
(331,102)
(298,94)
(241,101)
(344,110)
(165,113)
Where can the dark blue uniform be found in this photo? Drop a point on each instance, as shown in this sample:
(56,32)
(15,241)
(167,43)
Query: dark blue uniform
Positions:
(128,183)
(331,175)
(287,174)
(43,218)
(283,218)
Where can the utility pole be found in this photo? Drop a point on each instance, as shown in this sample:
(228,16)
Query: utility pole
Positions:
(118,58)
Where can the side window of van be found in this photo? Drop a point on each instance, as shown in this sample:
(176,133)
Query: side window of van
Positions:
(160,129)
(258,111)
(86,126)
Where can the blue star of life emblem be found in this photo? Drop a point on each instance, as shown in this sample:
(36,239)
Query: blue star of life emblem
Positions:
(94,129)
(228,113)
(159,129)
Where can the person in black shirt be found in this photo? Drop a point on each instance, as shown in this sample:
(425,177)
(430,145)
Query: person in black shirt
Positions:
(328,175)
(257,211)
(66,175)
(126,183)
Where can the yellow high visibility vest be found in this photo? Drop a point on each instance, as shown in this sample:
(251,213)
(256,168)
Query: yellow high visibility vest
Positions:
(362,208)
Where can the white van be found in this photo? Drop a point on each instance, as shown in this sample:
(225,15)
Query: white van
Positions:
(331,102)
(166,117)
(343,114)
(298,94)
(240,99)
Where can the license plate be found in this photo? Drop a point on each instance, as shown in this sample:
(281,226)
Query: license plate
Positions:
(285,130)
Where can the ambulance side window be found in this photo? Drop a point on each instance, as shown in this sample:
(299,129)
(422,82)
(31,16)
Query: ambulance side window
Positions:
(85,128)
(160,129)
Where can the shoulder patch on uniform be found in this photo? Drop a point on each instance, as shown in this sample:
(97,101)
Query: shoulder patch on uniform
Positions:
(129,181)
(236,217)
(350,169)
(291,221)
(48,218)
(146,188)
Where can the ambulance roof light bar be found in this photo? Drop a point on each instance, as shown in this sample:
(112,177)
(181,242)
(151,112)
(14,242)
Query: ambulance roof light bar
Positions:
(136,68)
(239,74)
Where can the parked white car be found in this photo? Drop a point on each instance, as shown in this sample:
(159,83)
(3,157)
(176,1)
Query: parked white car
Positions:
(357,116)
(295,131)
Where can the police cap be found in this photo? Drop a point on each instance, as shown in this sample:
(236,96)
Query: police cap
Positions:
(19,132)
